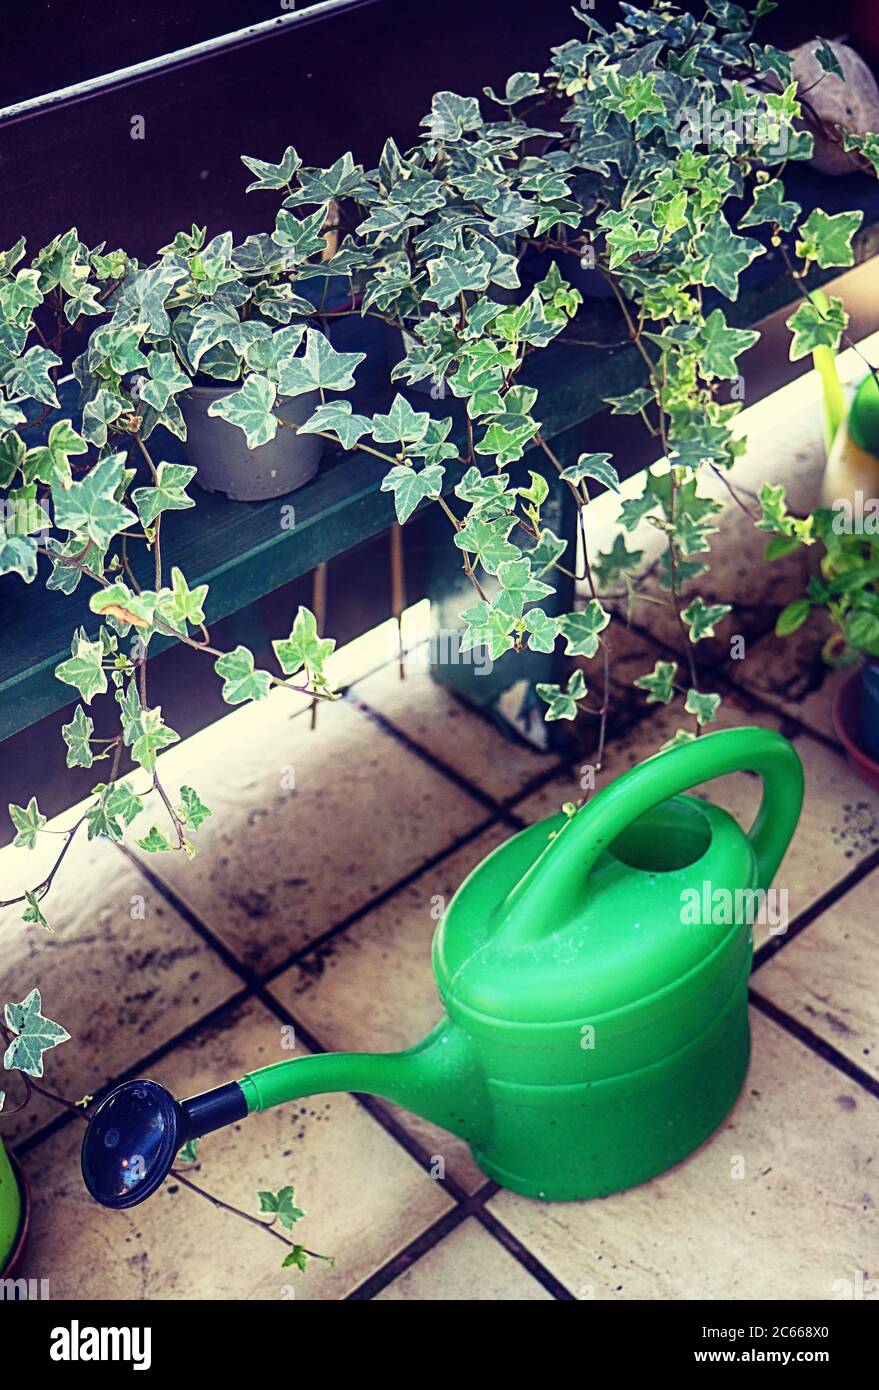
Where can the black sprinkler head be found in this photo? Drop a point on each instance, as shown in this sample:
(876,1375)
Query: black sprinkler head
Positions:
(131,1143)
(135,1135)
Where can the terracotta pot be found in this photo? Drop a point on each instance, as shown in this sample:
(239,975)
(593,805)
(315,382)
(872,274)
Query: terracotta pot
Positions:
(847,709)
(16,1255)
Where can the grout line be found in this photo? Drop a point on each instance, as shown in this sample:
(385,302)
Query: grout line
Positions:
(523,1255)
(409,1255)
(424,755)
(823,1049)
(816,909)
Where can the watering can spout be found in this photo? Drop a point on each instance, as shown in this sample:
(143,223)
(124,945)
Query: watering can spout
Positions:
(136,1133)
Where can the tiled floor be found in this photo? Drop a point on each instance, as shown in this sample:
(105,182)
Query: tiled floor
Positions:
(313,901)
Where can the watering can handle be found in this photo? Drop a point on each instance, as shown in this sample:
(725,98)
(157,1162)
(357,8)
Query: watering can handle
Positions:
(547,894)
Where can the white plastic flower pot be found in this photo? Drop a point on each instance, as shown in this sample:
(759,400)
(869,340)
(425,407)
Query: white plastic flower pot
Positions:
(224,463)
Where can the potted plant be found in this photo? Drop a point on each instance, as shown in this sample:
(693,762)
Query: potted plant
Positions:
(213,343)
(848,590)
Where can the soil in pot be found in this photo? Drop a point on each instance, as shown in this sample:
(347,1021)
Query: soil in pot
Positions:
(218,450)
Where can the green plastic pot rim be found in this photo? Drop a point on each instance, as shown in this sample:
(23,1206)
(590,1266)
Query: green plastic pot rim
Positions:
(17,1251)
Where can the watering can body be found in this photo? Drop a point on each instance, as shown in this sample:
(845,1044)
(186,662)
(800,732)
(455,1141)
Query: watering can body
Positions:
(593,974)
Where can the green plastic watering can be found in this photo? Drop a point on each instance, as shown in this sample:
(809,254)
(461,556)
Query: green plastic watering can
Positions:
(595,1027)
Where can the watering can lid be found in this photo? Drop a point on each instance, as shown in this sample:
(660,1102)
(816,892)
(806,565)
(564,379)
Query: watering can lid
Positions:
(553,926)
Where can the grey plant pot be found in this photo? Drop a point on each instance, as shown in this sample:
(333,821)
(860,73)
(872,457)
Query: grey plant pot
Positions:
(225,464)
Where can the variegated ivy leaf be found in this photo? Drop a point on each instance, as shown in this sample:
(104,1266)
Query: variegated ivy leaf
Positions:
(338,419)
(10,415)
(28,820)
(18,555)
(487,540)
(701,617)
(156,841)
(866,145)
(240,681)
(117,806)
(827,58)
(304,648)
(319,368)
(659,683)
(814,327)
(153,736)
(213,324)
(548,550)
(725,256)
(84,668)
(35,1035)
(142,298)
(411,486)
(33,913)
(519,86)
(169,493)
(703,706)
(30,376)
(678,739)
(542,630)
(631,403)
(769,205)
(251,410)
(434,447)
(89,508)
(344,179)
(518,587)
(402,424)
(98,413)
(625,239)
(195,813)
(183,605)
(281,1205)
(451,116)
(451,275)
(506,439)
(828,239)
(488,627)
(563,703)
(50,462)
(272,176)
(265,354)
(597,466)
(300,236)
(721,345)
(487,493)
(165,380)
(124,607)
(20,295)
(77,735)
(581,629)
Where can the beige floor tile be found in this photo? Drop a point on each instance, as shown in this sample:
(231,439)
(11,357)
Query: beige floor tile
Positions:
(123,973)
(365,1197)
(790,674)
(802,1216)
(838,827)
(468,1265)
(826,977)
(372,987)
(307,827)
(468,743)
